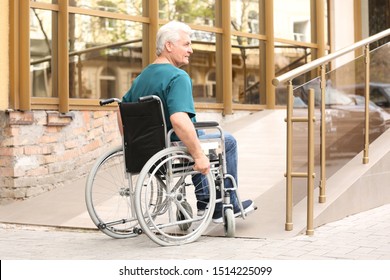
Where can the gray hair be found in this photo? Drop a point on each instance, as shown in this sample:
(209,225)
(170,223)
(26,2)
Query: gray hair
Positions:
(170,33)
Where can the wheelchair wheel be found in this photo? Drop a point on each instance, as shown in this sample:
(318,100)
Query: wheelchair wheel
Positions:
(229,222)
(165,195)
(108,196)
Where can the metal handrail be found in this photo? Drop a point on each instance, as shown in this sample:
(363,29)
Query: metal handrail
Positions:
(289,76)
(323,60)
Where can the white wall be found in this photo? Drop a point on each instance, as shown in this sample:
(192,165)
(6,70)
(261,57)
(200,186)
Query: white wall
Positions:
(343,31)
(365,20)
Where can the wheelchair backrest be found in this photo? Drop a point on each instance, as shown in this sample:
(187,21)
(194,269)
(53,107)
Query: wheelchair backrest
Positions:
(144,131)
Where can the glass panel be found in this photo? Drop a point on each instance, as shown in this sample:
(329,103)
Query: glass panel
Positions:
(380,78)
(344,112)
(246,71)
(245,16)
(292,20)
(133,7)
(202,67)
(380,64)
(103,61)
(42,52)
(201,12)
(379,81)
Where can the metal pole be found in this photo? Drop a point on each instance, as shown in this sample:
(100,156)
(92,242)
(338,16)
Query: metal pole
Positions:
(310,165)
(24,56)
(322,197)
(367,100)
(63,56)
(290,99)
(269,51)
(227,60)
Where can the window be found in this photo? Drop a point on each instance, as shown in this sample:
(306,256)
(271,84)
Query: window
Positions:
(246,70)
(292,20)
(107,42)
(42,53)
(201,12)
(133,7)
(300,30)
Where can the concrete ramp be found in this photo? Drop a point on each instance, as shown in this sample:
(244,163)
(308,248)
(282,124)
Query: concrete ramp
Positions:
(261,140)
(358,187)
(354,188)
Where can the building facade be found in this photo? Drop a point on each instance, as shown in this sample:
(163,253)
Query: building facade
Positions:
(60,57)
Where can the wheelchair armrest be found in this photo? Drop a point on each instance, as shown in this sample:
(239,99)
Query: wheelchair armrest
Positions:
(206,124)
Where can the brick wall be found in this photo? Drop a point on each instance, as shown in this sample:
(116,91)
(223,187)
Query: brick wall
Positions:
(42,150)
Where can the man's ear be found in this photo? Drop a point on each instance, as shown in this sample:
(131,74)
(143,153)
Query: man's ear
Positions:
(168,46)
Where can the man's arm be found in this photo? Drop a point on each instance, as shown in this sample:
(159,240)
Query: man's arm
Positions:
(185,130)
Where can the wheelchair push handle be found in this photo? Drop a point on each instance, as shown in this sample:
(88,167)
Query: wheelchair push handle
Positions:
(149,98)
(109,101)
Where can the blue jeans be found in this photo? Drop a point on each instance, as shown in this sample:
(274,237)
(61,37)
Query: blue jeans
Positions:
(231,168)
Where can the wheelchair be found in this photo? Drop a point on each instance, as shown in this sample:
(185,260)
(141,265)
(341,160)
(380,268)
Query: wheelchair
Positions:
(148,185)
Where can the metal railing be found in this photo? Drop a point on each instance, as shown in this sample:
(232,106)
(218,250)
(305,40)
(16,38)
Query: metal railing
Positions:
(288,77)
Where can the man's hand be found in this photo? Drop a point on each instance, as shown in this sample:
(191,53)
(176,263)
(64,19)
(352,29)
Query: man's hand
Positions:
(202,164)
(185,130)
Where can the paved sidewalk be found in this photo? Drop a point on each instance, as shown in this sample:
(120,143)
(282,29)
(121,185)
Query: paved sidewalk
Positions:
(364,236)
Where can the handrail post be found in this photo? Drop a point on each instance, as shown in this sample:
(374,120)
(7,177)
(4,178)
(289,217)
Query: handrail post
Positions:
(367,102)
(310,159)
(290,102)
(322,196)
(310,164)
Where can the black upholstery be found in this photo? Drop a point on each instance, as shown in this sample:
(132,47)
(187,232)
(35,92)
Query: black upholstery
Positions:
(143,132)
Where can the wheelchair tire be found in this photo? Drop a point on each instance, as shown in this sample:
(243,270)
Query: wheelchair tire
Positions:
(229,222)
(164,188)
(108,196)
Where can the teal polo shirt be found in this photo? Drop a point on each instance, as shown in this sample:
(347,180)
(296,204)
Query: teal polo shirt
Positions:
(173,85)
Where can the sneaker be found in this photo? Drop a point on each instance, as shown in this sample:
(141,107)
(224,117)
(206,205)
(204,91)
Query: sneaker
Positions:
(201,205)
(248,206)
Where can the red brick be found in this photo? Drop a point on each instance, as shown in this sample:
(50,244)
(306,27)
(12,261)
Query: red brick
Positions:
(21,118)
(32,150)
(48,139)
(37,171)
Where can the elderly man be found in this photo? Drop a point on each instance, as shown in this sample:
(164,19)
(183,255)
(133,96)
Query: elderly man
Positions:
(165,79)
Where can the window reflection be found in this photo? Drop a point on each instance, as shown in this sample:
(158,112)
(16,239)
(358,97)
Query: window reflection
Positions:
(245,16)
(288,57)
(102,59)
(292,20)
(41,52)
(200,12)
(105,53)
(47,1)
(202,66)
(133,7)
(246,70)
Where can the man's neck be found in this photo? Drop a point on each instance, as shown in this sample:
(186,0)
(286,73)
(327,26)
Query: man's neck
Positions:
(162,60)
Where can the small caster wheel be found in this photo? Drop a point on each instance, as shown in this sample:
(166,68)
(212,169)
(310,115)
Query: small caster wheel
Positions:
(180,216)
(138,231)
(229,222)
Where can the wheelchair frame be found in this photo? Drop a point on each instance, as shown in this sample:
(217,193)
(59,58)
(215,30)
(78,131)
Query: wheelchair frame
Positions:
(124,201)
